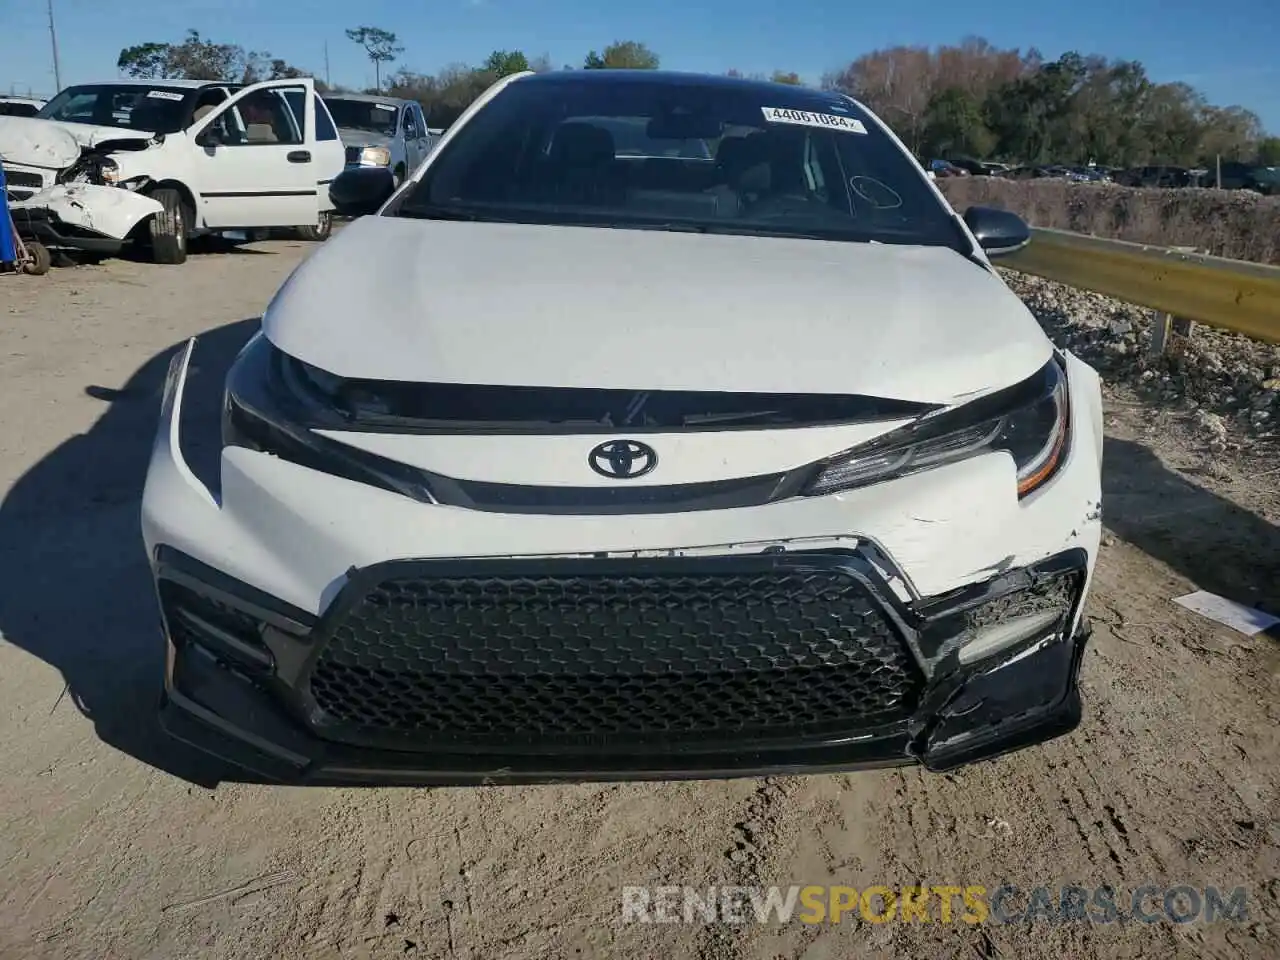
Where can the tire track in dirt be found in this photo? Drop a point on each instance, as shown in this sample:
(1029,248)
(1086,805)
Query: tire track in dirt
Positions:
(761,826)
(370,899)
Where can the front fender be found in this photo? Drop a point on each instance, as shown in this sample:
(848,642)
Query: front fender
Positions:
(110,211)
(1084,380)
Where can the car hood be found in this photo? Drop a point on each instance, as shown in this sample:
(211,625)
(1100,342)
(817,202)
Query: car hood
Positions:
(37,143)
(53,144)
(527,305)
(351,137)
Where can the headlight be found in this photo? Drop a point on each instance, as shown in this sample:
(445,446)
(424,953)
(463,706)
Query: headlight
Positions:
(1030,421)
(276,405)
(375,157)
(91,168)
(109,171)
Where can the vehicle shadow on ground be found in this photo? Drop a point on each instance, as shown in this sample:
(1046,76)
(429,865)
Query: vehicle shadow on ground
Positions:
(222,246)
(78,591)
(206,246)
(1217,545)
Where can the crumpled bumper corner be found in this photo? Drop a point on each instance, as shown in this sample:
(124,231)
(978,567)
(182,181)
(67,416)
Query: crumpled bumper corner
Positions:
(84,216)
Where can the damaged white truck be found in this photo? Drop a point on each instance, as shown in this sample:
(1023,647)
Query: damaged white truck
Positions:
(154,163)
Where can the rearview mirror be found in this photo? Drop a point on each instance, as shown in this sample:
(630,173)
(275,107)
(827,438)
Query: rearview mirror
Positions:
(682,126)
(998,232)
(362,191)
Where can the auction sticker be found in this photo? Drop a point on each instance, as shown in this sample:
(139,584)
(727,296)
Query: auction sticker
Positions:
(164,95)
(806,118)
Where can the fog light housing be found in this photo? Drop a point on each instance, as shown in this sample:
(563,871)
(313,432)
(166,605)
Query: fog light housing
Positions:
(966,627)
(230,635)
(988,640)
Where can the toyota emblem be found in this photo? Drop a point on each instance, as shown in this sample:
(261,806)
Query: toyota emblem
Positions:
(623,459)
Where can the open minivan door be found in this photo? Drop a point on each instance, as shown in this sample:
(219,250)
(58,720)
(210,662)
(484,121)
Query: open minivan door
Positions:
(256,162)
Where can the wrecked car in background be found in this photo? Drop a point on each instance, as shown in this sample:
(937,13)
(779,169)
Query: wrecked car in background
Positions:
(196,157)
(75,213)
(381,132)
(14,106)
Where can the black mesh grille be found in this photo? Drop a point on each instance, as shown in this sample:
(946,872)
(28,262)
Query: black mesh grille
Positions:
(353,154)
(568,657)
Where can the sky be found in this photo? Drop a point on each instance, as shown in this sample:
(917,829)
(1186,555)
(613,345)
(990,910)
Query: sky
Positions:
(1227,51)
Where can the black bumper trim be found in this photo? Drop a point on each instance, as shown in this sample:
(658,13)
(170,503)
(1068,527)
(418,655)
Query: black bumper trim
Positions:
(1021,697)
(39,225)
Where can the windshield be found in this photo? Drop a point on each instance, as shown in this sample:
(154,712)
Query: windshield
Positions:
(714,156)
(363,115)
(155,109)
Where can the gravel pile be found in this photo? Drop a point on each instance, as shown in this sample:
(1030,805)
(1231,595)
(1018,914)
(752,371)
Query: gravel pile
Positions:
(1230,383)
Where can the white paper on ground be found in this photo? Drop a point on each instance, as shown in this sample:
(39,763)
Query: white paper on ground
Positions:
(1237,616)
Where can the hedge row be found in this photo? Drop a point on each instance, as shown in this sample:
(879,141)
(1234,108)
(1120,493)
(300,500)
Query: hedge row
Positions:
(1227,223)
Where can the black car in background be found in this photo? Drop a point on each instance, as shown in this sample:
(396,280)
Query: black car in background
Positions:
(1244,176)
(1156,176)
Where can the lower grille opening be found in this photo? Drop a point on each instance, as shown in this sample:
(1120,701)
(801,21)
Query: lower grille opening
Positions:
(231,635)
(579,657)
(20,178)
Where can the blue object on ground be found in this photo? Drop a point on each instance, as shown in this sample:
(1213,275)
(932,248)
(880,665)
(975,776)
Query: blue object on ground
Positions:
(8,249)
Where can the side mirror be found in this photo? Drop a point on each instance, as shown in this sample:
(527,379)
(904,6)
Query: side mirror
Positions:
(998,232)
(209,137)
(362,191)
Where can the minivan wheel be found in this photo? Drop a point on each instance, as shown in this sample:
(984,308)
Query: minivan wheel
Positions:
(168,229)
(323,227)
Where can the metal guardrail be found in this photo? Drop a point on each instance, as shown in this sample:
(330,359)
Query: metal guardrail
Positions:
(1231,294)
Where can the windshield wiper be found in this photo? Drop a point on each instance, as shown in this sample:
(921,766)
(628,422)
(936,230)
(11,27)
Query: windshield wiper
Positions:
(449,213)
(705,419)
(547,218)
(730,228)
(677,226)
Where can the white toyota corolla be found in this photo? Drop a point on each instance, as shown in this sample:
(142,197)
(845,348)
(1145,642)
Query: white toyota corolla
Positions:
(658,426)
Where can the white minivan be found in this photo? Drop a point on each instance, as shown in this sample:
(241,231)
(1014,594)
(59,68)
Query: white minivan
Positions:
(212,156)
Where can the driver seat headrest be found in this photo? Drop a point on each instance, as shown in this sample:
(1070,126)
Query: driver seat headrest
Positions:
(582,145)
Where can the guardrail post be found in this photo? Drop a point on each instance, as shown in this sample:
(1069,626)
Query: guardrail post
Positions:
(1169,334)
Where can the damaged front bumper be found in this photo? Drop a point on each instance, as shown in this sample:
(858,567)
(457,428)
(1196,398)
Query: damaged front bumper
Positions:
(344,698)
(81,216)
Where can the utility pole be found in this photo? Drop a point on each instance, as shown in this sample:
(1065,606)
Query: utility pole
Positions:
(53,37)
(327,81)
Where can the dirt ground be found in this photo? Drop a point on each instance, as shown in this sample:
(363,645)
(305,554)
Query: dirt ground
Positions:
(114,845)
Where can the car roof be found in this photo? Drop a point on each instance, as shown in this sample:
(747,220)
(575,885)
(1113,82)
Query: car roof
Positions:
(14,98)
(366,98)
(138,82)
(673,78)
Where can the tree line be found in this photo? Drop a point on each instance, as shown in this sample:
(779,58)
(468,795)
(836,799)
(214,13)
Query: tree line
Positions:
(971,99)
(976,100)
